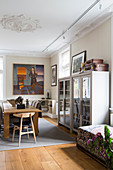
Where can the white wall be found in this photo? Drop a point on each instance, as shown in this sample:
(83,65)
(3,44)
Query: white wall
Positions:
(54,89)
(26,60)
(112,62)
(97,43)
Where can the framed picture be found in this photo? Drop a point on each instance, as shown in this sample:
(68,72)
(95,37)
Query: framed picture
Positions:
(28,79)
(54,75)
(77,60)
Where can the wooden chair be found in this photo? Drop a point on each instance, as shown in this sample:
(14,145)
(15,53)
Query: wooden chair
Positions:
(22,116)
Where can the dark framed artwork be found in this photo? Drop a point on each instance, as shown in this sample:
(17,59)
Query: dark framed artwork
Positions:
(54,75)
(28,79)
(77,60)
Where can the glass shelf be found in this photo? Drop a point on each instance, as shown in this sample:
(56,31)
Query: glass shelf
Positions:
(86,120)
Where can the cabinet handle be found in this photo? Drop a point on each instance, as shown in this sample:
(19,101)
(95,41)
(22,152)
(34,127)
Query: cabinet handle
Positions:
(81,107)
(64,104)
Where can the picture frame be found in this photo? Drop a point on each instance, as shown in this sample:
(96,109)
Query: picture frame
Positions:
(77,60)
(54,75)
(28,79)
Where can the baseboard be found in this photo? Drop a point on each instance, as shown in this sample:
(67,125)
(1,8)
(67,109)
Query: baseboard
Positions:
(49,115)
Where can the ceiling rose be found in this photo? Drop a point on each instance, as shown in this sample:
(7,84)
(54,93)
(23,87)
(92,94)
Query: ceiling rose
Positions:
(19,23)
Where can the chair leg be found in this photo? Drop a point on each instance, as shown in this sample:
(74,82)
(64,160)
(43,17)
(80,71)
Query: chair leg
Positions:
(13,134)
(28,133)
(20,131)
(33,129)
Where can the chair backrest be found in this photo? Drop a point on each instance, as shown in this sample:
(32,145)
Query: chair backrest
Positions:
(33,103)
(24,115)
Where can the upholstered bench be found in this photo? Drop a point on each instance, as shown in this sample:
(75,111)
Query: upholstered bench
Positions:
(88,132)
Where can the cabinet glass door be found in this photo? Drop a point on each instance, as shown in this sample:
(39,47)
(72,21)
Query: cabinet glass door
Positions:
(76,103)
(85,101)
(61,102)
(67,103)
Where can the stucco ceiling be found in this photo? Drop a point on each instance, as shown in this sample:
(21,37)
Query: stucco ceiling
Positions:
(54,19)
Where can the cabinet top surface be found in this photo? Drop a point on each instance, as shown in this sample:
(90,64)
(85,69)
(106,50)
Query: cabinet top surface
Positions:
(90,73)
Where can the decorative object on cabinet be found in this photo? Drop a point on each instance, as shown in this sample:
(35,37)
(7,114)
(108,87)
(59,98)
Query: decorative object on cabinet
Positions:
(54,75)
(90,99)
(48,94)
(96,61)
(28,79)
(64,102)
(77,60)
(94,65)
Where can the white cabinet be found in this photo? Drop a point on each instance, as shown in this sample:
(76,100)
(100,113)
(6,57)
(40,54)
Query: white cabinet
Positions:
(90,95)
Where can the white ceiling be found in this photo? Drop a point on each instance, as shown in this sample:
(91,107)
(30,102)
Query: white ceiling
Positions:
(55,17)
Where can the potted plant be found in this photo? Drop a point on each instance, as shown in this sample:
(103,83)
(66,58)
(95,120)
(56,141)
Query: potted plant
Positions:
(103,146)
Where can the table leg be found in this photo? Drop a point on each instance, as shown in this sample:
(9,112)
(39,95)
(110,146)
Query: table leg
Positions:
(35,121)
(6,125)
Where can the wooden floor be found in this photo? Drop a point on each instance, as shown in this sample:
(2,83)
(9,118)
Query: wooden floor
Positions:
(55,122)
(57,157)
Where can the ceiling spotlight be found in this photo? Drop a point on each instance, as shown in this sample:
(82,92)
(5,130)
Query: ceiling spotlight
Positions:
(63,37)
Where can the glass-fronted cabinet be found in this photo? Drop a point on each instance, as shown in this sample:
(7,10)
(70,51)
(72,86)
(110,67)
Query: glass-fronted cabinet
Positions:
(64,102)
(83,99)
(90,95)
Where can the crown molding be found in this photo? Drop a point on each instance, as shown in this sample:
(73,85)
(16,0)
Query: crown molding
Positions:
(20,53)
(90,28)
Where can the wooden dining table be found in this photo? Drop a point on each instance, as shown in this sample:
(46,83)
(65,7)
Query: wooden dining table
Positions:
(8,109)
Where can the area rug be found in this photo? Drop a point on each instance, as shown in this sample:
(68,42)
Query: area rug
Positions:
(49,134)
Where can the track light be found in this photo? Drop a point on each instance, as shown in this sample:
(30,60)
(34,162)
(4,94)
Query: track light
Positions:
(100,5)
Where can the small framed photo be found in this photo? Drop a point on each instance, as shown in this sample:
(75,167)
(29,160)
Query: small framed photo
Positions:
(54,75)
(77,60)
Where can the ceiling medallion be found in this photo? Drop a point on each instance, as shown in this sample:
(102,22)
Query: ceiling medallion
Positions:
(19,23)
